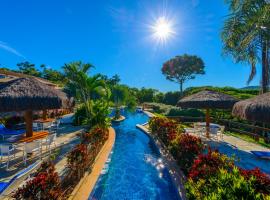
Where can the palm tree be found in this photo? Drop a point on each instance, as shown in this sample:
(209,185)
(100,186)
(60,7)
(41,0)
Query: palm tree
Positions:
(85,87)
(246,36)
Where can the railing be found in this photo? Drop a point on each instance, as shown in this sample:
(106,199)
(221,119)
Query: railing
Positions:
(251,130)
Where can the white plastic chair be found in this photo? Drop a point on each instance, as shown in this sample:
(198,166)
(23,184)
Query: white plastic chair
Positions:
(32,147)
(55,125)
(220,132)
(50,139)
(7,149)
(37,126)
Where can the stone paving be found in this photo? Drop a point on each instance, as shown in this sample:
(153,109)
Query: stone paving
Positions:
(241,149)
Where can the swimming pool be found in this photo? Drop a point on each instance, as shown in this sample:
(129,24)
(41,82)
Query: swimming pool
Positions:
(134,169)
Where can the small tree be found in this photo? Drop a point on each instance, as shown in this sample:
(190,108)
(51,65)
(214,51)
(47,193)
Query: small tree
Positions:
(119,95)
(183,68)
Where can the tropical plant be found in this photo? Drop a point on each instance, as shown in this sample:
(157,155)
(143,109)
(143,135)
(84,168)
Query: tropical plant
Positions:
(85,87)
(207,165)
(44,185)
(246,36)
(28,68)
(77,160)
(119,96)
(185,150)
(164,128)
(224,186)
(262,180)
(183,68)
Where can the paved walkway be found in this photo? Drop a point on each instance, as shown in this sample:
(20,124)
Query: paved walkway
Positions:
(241,149)
(67,137)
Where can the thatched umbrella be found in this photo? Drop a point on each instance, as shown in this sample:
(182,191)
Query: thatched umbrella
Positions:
(254,109)
(28,94)
(207,99)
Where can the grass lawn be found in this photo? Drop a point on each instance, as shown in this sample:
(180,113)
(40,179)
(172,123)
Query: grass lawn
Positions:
(248,138)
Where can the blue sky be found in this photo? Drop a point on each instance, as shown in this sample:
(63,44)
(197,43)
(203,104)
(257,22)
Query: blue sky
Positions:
(114,35)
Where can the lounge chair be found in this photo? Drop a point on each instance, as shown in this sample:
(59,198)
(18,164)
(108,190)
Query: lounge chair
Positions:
(49,141)
(30,148)
(8,150)
(4,132)
(261,154)
(5,185)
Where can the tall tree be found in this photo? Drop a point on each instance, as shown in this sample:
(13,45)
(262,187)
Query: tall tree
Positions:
(246,36)
(84,86)
(183,68)
(28,68)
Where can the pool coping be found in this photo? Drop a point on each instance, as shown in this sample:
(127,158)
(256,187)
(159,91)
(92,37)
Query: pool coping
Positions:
(176,174)
(84,188)
(122,118)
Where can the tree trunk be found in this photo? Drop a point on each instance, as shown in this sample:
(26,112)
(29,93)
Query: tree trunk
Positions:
(265,68)
(44,114)
(181,88)
(28,115)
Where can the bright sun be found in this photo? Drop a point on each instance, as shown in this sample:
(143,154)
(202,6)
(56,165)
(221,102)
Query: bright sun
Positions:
(162,29)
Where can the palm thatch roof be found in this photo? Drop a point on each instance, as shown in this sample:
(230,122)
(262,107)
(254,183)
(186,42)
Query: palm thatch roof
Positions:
(30,94)
(207,99)
(254,109)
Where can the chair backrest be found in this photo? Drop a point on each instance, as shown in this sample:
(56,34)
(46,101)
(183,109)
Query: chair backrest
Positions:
(2,126)
(4,148)
(51,138)
(32,146)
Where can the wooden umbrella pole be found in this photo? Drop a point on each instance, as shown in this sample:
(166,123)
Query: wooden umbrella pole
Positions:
(44,114)
(207,118)
(28,115)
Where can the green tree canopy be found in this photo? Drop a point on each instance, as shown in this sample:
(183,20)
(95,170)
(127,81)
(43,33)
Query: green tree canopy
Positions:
(183,68)
(28,68)
(246,35)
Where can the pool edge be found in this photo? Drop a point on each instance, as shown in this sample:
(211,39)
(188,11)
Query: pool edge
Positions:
(177,176)
(83,190)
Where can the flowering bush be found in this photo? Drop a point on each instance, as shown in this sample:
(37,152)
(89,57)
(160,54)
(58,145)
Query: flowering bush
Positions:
(165,129)
(97,134)
(45,185)
(262,181)
(77,160)
(207,165)
(224,185)
(185,149)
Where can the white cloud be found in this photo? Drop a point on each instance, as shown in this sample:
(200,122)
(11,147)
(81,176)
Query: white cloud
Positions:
(8,48)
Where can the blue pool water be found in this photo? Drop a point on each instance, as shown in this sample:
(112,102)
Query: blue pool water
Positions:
(134,169)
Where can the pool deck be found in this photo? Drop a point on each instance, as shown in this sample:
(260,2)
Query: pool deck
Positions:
(177,176)
(83,190)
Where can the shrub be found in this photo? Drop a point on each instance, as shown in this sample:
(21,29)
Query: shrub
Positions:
(164,128)
(262,181)
(45,185)
(223,186)
(185,112)
(96,134)
(207,165)
(77,160)
(185,149)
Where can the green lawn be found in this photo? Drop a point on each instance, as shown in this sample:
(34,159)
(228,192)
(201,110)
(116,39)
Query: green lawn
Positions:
(248,138)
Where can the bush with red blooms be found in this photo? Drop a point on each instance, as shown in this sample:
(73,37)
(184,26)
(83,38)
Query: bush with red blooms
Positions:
(262,183)
(96,135)
(164,128)
(77,159)
(185,149)
(207,165)
(44,185)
